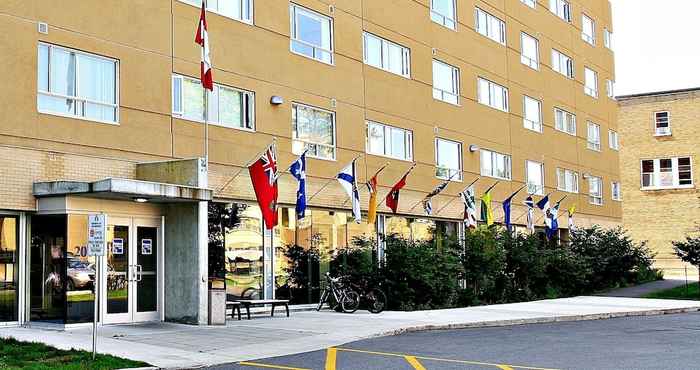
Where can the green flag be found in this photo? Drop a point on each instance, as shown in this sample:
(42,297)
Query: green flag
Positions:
(486,211)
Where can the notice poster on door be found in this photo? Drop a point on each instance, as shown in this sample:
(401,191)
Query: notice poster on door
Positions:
(146,247)
(118,246)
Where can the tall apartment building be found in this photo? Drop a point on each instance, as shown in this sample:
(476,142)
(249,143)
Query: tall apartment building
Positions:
(658,161)
(102,112)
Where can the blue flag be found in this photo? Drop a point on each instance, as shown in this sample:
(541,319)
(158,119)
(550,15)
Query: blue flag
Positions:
(298,170)
(506,209)
(348,180)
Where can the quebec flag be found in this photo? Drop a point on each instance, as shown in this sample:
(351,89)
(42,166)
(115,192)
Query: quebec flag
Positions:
(348,180)
(298,170)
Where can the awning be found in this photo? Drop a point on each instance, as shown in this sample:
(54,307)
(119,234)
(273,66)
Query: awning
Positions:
(123,189)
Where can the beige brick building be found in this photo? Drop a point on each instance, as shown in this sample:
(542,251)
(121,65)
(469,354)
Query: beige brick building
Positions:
(660,147)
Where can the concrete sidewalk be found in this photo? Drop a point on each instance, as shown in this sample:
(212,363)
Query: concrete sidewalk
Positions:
(174,345)
(641,290)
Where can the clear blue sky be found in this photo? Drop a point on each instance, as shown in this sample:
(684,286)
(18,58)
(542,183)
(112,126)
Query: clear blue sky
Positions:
(656,44)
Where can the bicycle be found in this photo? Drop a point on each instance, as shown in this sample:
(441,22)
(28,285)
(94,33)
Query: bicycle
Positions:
(374,298)
(343,296)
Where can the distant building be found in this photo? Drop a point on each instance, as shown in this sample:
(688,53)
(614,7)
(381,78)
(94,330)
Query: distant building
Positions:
(659,149)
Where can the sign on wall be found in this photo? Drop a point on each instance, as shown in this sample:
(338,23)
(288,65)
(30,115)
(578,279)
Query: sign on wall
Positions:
(97,231)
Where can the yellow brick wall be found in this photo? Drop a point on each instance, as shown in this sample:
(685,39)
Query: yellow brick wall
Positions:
(659,216)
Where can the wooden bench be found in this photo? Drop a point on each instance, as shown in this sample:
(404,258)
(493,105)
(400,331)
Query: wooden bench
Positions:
(247,303)
(235,306)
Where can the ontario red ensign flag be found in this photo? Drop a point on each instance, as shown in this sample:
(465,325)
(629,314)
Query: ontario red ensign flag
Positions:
(263,174)
(202,38)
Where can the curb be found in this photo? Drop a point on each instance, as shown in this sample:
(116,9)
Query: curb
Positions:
(535,320)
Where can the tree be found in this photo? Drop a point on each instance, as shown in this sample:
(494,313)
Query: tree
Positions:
(689,250)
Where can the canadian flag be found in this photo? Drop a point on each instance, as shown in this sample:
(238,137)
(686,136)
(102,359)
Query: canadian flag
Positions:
(202,38)
(263,174)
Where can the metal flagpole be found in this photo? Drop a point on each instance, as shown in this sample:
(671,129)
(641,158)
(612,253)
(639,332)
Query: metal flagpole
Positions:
(246,166)
(405,174)
(421,201)
(457,197)
(326,185)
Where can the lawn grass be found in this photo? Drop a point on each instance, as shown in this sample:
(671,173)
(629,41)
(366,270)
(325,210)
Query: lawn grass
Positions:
(693,293)
(37,356)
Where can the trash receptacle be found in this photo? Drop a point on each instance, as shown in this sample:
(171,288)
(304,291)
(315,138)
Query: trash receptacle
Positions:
(217,302)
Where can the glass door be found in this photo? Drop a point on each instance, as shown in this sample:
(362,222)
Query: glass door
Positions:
(146,252)
(117,287)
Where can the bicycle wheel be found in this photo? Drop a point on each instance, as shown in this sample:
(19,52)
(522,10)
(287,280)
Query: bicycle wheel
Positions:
(324,297)
(350,301)
(376,301)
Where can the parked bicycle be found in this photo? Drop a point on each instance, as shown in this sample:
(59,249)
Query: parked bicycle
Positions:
(371,297)
(338,294)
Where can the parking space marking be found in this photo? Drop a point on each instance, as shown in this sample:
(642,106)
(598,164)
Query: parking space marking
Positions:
(414,362)
(500,366)
(257,364)
(331,355)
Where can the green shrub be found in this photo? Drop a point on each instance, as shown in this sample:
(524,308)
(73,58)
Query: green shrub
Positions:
(689,250)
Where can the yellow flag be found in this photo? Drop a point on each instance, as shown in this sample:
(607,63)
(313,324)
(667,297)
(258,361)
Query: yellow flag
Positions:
(486,210)
(372,210)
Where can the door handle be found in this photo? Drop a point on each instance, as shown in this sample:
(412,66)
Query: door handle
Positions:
(139,273)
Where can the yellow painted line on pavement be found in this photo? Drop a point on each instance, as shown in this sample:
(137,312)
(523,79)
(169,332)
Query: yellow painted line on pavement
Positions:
(331,354)
(257,364)
(502,366)
(414,362)
(505,367)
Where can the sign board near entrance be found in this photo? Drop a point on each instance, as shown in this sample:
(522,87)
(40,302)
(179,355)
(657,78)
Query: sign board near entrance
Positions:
(97,231)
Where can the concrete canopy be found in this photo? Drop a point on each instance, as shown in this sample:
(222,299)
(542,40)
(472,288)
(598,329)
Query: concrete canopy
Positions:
(123,189)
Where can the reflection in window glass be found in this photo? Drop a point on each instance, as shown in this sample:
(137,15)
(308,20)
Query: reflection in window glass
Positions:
(48,268)
(9,273)
(311,34)
(243,253)
(313,129)
(448,160)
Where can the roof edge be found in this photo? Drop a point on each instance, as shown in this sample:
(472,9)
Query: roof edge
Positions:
(658,93)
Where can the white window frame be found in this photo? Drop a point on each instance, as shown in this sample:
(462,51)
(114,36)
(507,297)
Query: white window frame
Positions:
(539,188)
(568,175)
(439,94)
(177,94)
(445,20)
(562,64)
(590,88)
(561,8)
(593,141)
(595,199)
(529,124)
(293,9)
(405,55)
(589,39)
(77,100)
(335,136)
(564,126)
(614,140)
(494,156)
(607,38)
(251,8)
(492,87)
(675,174)
(526,60)
(610,88)
(662,131)
(408,141)
(486,29)
(456,177)
(616,191)
(531,3)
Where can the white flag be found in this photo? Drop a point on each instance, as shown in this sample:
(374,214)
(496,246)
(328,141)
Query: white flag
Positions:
(348,181)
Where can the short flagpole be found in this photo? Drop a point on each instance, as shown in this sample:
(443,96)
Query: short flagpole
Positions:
(405,174)
(245,166)
(457,197)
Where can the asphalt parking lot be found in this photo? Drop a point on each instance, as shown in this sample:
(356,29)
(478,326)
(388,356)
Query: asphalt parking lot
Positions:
(647,342)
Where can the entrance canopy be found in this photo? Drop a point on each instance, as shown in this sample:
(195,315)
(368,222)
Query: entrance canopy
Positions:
(123,189)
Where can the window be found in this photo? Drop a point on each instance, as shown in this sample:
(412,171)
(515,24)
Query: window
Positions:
(587,29)
(443,12)
(610,87)
(614,140)
(562,63)
(495,165)
(595,190)
(531,3)
(607,38)
(492,94)
(226,106)
(564,121)
(529,51)
(76,84)
(313,129)
(590,86)
(241,10)
(312,34)
(534,175)
(662,123)
(387,55)
(561,8)
(389,141)
(490,26)
(532,114)
(567,180)
(448,157)
(593,136)
(667,173)
(616,191)
(445,82)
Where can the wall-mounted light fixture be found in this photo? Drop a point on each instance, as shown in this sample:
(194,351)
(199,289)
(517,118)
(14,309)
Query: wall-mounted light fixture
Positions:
(473,148)
(140,200)
(586,176)
(276,100)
